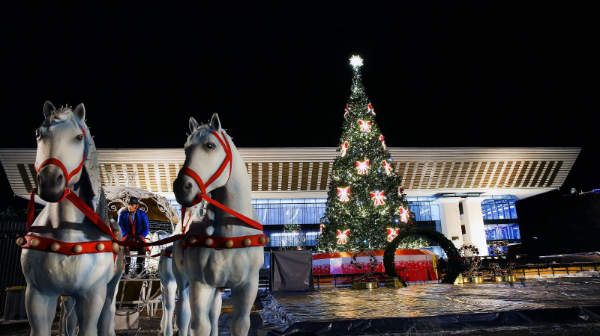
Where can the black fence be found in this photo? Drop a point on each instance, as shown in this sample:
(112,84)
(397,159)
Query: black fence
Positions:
(11,227)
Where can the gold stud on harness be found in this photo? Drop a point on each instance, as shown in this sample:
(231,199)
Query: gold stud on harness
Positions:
(35,242)
(209,241)
(21,241)
(77,248)
(247,242)
(55,247)
(99,247)
(229,243)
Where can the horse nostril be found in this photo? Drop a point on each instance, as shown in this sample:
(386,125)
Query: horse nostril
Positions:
(59,179)
(188,185)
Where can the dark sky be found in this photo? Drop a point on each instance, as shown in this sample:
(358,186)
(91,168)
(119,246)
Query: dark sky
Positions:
(446,74)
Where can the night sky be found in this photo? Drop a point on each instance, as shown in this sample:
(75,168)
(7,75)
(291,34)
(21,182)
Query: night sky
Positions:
(456,73)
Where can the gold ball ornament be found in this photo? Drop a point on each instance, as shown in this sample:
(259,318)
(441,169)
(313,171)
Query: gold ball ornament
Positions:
(229,243)
(77,248)
(21,241)
(55,247)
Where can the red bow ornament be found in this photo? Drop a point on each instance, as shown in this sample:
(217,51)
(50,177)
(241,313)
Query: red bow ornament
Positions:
(342,236)
(387,167)
(365,125)
(362,167)
(344,148)
(403,214)
(392,233)
(378,197)
(343,194)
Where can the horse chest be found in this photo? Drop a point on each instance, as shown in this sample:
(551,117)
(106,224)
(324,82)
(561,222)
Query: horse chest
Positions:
(224,268)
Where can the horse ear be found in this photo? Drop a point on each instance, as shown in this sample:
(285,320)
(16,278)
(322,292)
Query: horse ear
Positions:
(79,112)
(193,125)
(48,108)
(215,123)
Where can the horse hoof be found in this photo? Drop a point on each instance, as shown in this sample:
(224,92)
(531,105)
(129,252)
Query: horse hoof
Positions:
(21,241)
(247,242)
(64,298)
(35,242)
(262,240)
(55,247)
(115,247)
(99,247)
(209,241)
(229,243)
(77,248)
(192,240)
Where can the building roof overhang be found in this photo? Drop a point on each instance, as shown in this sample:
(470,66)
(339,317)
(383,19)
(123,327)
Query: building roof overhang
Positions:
(303,172)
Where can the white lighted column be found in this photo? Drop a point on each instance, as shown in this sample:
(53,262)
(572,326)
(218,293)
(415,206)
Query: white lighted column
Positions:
(474,227)
(450,218)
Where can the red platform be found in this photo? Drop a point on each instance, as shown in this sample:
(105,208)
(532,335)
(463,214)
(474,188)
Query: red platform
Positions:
(412,265)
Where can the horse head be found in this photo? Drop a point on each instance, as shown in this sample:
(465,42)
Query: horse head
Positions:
(62,146)
(207,162)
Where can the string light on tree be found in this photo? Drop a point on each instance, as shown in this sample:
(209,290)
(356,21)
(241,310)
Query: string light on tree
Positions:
(362,167)
(378,197)
(365,125)
(343,194)
(342,236)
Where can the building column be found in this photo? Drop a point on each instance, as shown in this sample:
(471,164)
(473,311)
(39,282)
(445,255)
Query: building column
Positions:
(450,218)
(472,219)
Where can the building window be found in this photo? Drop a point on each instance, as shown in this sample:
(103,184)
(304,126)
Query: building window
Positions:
(498,209)
(502,232)
(290,211)
(427,212)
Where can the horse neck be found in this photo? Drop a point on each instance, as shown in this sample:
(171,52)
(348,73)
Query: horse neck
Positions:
(236,195)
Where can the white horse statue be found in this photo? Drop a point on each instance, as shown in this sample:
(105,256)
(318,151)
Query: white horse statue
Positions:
(225,249)
(172,277)
(68,251)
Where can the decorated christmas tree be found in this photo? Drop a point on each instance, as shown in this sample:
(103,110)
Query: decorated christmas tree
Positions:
(366,206)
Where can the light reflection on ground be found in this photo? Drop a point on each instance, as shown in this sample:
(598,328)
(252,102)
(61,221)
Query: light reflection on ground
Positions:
(433,300)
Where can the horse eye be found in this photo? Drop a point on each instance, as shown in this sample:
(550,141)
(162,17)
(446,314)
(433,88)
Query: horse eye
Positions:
(80,137)
(210,145)
(38,133)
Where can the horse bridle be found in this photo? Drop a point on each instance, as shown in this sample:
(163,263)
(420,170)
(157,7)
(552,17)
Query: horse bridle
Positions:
(202,195)
(73,197)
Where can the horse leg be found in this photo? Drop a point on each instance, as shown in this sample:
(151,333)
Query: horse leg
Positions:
(68,317)
(89,307)
(215,312)
(183,306)
(242,298)
(41,310)
(201,297)
(169,291)
(106,323)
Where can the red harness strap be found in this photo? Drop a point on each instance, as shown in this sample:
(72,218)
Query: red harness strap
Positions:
(225,242)
(56,246)
(202,195)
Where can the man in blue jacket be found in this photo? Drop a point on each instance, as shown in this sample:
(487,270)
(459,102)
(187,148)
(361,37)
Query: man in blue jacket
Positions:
(134,226)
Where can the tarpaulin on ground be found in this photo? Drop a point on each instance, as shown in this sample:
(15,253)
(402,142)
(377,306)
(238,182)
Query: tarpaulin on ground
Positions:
(291,271)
